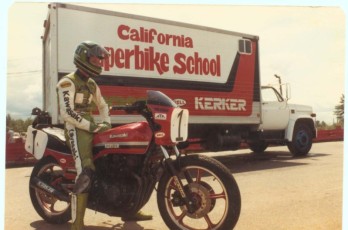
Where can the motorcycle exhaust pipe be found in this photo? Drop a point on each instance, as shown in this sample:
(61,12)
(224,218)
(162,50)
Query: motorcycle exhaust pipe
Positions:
(38,183)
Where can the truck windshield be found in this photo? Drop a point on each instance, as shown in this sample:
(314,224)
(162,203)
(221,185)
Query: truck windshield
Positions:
(158,98)
(270,94)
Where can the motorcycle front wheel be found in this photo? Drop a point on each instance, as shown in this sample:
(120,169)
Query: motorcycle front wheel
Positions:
(47,206)
(212,190)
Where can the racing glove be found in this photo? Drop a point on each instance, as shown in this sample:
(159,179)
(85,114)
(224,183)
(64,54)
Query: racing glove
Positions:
(98,128)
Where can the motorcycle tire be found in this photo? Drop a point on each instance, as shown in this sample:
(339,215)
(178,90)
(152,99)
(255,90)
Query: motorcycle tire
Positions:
(213,191)
(47,206)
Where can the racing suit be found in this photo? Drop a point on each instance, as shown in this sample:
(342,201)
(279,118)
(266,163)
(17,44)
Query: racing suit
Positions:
(75,95)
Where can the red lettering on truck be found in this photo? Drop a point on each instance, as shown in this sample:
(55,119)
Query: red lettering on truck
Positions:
(147,59)
(151,35)
(197,65)
(226,104)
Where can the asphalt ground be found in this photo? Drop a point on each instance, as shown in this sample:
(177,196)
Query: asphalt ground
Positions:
(278,192)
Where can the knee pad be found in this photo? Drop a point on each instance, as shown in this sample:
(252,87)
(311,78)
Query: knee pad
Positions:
(84,181)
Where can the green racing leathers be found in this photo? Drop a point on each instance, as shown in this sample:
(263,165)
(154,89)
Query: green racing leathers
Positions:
(75,96)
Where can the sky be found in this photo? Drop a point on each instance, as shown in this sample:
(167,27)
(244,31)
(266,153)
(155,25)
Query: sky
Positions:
(302,41)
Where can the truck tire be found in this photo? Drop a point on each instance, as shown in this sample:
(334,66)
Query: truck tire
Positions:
(258,146)
(302,140)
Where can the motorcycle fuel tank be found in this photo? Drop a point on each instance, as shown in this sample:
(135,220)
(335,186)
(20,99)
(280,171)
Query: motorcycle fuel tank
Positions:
(131,138)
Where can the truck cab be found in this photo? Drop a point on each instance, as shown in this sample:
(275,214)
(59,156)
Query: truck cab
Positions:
(284,123)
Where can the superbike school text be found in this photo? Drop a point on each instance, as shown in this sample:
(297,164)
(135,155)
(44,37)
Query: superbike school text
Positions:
(149,59)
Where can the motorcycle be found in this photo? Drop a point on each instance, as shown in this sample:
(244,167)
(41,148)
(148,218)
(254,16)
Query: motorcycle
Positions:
(193,191)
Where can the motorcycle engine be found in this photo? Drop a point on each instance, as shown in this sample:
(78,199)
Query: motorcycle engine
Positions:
(116,178)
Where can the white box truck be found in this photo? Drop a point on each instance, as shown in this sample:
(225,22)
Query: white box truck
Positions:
(211,72)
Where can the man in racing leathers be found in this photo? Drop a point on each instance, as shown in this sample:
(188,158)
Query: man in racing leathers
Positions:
(76,92)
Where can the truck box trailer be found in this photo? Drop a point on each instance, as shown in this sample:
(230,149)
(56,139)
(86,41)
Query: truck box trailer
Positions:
(211,72)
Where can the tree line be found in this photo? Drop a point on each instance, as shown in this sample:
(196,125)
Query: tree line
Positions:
(17,125)
(339,114)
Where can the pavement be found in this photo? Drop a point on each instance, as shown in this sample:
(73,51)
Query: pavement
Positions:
(278,192)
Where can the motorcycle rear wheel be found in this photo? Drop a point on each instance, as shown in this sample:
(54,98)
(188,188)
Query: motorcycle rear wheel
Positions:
(47,206)
(213,190)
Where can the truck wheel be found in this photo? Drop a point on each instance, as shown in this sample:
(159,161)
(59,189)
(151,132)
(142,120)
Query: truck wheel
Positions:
(301,141)
(258,146)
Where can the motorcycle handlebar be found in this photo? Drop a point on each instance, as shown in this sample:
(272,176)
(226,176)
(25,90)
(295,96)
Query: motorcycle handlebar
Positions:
(137,106)
(124,107)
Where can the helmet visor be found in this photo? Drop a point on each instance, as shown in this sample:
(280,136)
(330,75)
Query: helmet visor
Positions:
(98,51)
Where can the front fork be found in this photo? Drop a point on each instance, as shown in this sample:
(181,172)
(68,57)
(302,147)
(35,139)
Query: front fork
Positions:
(178,183)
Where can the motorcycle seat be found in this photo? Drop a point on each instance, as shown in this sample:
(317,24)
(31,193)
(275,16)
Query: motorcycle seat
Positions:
(56,140)
(56,132)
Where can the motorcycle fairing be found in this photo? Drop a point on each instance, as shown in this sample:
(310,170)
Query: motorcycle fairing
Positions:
(172,124)
(51,138)
(131,138)
(56,140)
(36,142)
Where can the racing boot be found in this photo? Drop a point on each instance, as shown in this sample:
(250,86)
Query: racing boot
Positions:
(139,216)
(78,208)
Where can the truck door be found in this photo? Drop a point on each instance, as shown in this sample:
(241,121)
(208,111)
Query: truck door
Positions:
(275,112)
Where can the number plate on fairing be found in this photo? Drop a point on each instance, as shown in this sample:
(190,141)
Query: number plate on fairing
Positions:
(173,123)
(179,125)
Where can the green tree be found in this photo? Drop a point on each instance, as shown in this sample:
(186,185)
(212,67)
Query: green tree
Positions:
(321,124)
(17,125)
(339,111)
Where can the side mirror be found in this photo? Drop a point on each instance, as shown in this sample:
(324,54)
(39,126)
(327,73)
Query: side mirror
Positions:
(287,91)
(36,111)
